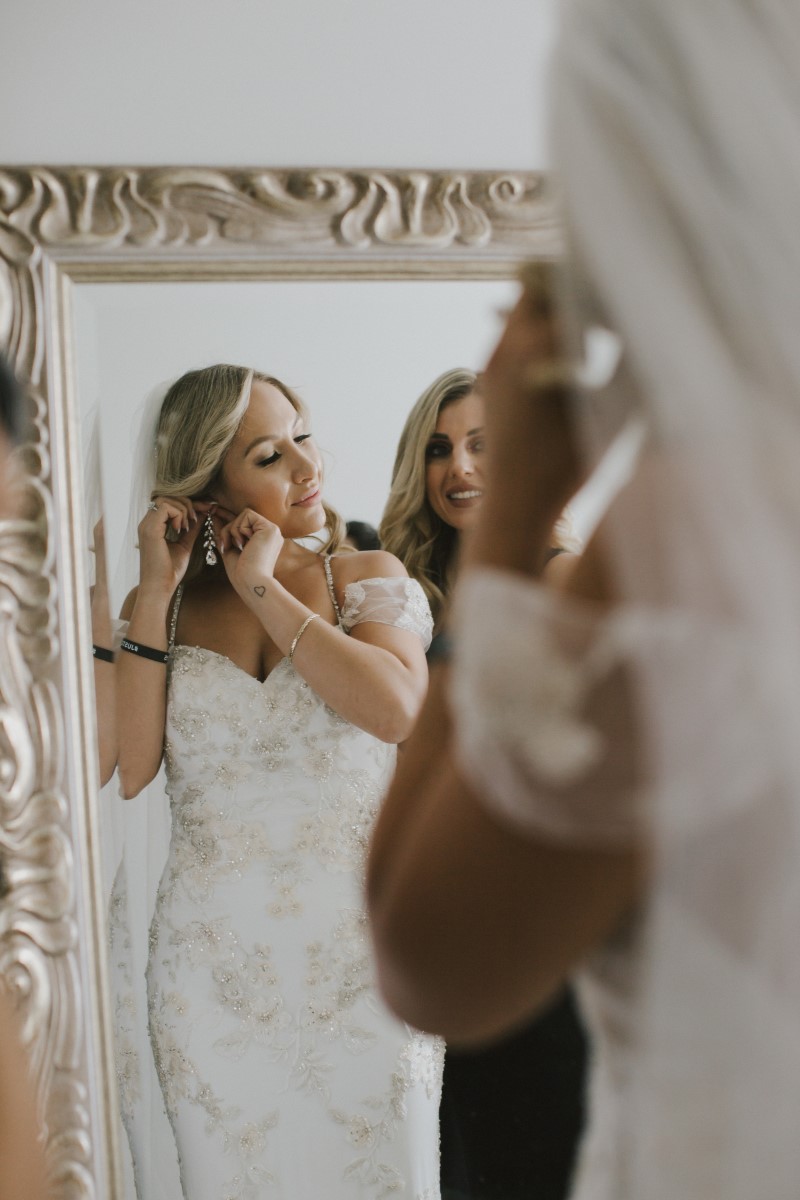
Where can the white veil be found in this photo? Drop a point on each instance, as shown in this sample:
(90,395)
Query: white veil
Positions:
(677,136)
(136,848)
(677,141)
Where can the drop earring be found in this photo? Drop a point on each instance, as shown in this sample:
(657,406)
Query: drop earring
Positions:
(209,544)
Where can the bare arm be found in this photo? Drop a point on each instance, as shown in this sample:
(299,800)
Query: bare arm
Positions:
(141,683)
(375,678)
(450,886)
(142,693)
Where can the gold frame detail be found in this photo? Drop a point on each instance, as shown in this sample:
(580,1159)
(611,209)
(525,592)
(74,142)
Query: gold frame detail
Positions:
(59,226)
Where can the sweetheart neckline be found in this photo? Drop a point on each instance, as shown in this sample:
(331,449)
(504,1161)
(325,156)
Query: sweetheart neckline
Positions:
(240,670)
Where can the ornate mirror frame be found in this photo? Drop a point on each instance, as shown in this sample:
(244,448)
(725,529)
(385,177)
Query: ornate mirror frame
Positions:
(63,226)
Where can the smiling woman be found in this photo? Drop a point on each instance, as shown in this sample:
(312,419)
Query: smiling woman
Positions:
(437,485)
(273,435)
(416,526)
(453,474)
(276,729)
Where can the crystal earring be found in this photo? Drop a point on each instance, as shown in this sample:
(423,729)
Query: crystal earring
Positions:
(209,544)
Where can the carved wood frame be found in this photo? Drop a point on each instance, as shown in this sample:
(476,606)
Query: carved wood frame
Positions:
(59,226)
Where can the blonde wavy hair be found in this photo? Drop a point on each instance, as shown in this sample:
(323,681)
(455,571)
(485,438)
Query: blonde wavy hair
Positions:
(200,416)
(410,529)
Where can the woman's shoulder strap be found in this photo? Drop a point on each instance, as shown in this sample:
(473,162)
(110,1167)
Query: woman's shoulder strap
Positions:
(176,604)
(326,558)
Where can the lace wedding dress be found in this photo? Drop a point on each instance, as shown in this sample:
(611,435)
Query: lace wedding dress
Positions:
(282,1072)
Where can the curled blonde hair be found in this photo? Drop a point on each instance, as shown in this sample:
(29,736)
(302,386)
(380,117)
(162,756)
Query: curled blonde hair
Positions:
(200,416)
(410,529)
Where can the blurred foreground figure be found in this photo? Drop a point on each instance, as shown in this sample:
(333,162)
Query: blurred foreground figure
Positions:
(619,794)
(511,1115)
(22,1172)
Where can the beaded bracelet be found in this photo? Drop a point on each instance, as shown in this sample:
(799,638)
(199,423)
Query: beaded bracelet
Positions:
(103,654)
(159,656)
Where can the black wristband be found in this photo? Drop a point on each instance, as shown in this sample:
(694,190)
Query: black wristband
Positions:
(159,656)
(103,654)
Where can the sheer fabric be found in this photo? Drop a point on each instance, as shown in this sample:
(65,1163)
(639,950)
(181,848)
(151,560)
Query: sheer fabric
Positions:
(548,700)
(674,717)
(598,730)
(395,601)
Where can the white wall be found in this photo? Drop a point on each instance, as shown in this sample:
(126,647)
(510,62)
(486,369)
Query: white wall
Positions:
(392,83)
(359,354)
(370,83)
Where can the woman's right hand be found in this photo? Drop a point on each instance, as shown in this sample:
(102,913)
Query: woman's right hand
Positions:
(530,427)
(167,534)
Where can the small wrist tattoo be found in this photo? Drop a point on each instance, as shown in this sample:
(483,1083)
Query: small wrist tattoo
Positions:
(259,589)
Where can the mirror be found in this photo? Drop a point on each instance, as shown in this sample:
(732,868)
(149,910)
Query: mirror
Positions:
(358,288)
(358,352)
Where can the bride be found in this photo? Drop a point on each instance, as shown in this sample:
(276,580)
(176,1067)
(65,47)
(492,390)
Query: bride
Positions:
(274,681)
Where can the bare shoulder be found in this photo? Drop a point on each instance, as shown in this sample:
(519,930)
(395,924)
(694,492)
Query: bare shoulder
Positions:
(368,564)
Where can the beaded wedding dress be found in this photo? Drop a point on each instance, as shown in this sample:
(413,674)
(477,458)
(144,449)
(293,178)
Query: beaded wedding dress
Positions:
(283,1074)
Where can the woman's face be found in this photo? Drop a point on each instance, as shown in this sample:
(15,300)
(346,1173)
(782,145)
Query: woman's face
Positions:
(273,466)
(454,463)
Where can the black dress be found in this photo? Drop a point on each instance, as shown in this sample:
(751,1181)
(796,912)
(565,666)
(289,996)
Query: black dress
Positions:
(511,1116)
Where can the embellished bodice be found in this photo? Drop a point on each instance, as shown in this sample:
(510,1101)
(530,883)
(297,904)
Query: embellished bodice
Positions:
(227,729)
(251,765)
(245,756)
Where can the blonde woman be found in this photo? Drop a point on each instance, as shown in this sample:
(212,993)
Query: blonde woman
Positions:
(274,680)
(511,1116)
(437,486)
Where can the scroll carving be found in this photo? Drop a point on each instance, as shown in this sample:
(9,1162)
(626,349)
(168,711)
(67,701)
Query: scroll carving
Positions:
(58,223)
(39,932)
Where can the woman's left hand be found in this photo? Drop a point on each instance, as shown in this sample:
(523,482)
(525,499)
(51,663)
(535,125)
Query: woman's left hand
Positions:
(250,546)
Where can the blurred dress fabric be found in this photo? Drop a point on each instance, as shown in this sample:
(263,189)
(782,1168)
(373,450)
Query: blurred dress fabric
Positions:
(671,720)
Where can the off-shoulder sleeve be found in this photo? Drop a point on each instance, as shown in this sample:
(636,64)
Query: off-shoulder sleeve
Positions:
(396,601)
(586,728)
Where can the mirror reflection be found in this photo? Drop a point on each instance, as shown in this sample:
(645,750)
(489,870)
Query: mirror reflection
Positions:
(253,1052)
